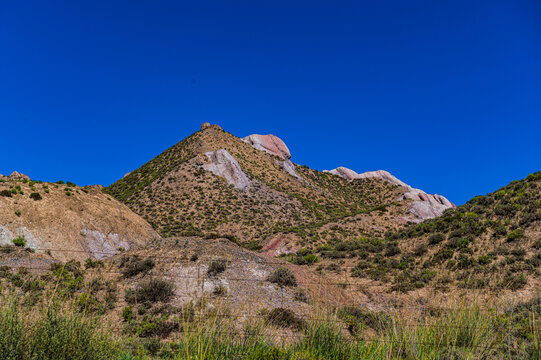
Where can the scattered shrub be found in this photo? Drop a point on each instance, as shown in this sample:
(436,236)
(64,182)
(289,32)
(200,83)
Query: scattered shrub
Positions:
(35,196)
(219,290)
(283,277)
(5,193)
(216,267)
(152,290)
(484,259)
(19,241)
(301,295)
(436,238)
(127,313)
(135,266)
(282,317)
(515,235)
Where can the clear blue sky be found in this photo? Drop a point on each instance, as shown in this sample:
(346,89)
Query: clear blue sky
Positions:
(446,95)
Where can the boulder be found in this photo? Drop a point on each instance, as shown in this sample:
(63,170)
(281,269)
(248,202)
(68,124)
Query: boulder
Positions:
(221,163)
(270,144)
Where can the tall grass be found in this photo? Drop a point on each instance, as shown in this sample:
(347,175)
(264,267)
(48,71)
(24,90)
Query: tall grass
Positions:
(468,332)
(52,333)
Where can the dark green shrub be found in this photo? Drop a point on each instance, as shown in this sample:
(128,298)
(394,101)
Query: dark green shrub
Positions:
(283,277)
(35,196)
(484,259)
(18,212)
(420,250)
(282,317)
(392,249)
(216,267)
(514,282)
(301,295)
(436,238)
(515,235)
(91,264)
(127,313)
(136,266)
(152,290)
(5,193)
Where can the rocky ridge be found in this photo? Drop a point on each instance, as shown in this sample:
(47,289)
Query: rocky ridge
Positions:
(425,206)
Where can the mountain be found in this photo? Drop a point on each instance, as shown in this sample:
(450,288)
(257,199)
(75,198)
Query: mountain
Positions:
(67,221)
(249,190)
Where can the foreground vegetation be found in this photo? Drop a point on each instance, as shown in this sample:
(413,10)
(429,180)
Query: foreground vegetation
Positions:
(51,331)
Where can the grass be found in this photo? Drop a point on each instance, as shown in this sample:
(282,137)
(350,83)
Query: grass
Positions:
(53,331)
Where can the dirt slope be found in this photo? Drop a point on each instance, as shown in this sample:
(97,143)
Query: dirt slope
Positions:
(58,217)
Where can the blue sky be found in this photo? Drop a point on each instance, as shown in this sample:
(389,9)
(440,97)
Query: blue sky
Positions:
(446,95)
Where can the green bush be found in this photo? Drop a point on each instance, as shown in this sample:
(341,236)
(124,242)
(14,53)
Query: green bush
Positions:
(152,290)
(216,267)
(484,259)
(283,277)
(135,266)
(515,235)
(35,196)
(436,238)
(19,241)
(282,317)
(127,313)
(6,193)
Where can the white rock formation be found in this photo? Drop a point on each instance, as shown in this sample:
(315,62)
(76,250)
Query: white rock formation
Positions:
(289,167)
(221,163)
(425,206)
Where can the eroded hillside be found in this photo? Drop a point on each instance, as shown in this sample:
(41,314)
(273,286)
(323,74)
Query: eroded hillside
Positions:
(67,221)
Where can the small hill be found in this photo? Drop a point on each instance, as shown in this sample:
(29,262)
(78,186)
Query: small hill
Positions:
(67,221)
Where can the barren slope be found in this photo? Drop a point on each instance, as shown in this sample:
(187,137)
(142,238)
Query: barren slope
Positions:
(68,221)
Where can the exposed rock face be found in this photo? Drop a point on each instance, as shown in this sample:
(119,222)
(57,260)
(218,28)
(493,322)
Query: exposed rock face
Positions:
(221,163)
(269,143)
(344,173)
(383,175)
(425,206)
(16,176)
(289,167)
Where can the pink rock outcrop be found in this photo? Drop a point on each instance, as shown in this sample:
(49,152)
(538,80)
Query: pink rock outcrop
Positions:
(270,144)
(425,206)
